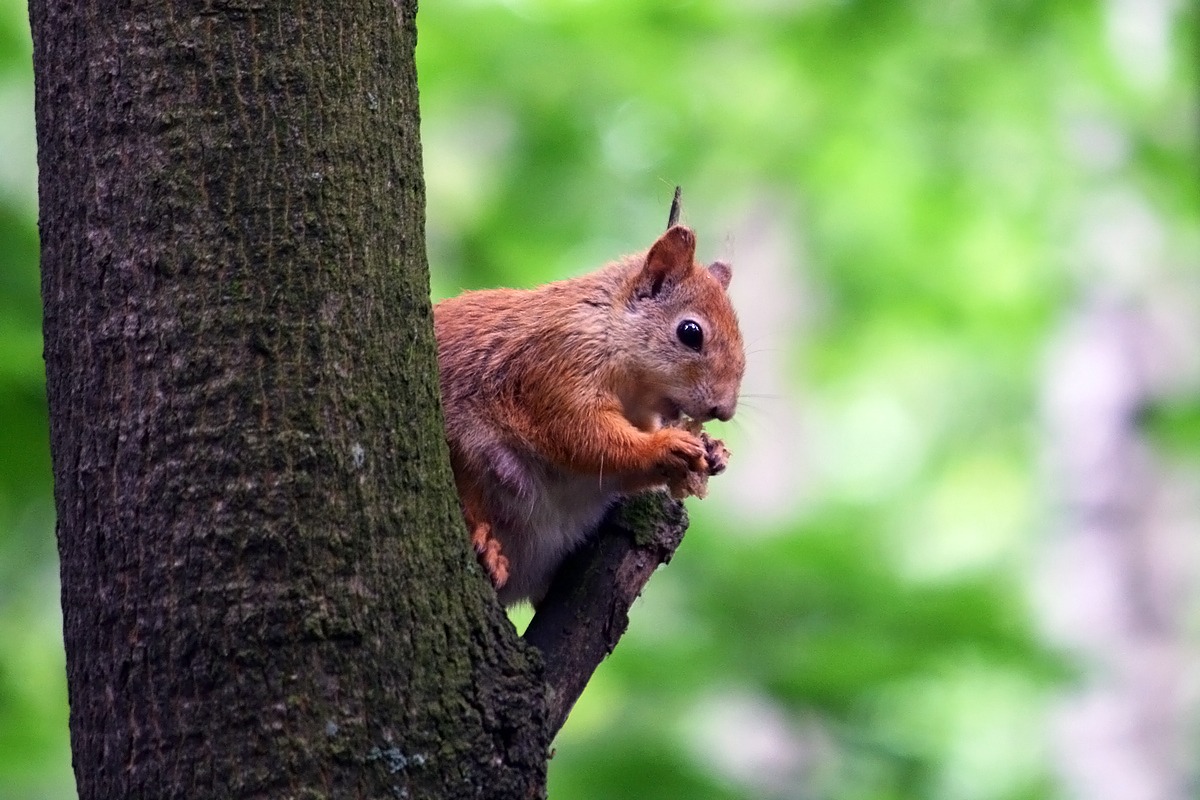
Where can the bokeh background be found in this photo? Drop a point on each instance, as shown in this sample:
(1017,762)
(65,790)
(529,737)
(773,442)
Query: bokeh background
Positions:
(955,553)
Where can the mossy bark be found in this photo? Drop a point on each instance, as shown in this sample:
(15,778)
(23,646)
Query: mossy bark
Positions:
(267,591)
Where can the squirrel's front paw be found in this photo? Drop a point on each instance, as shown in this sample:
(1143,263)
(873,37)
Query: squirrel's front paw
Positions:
(695,484)
(683,462)
(683,453)
(715,453)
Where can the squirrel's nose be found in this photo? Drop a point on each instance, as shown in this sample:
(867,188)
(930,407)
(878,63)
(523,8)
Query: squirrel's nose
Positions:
(723,413)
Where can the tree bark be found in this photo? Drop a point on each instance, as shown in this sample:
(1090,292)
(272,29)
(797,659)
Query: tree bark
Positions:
(266,587)
(586,611)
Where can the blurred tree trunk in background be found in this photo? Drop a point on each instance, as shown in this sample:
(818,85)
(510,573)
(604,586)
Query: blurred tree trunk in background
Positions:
(262,592)
(1119,567)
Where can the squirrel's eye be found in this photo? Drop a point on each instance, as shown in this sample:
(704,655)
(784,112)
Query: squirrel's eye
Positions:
(691,334)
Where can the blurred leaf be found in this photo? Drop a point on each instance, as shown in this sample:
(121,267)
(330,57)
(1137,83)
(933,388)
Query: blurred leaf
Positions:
(1173,425)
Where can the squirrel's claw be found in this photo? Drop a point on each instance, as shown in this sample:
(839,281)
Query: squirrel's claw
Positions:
(694,483)
(715,453)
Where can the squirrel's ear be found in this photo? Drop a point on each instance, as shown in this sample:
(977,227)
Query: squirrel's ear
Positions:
(671,257)
(721,271)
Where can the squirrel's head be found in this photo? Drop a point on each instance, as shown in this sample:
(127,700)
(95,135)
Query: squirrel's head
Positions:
(690,358)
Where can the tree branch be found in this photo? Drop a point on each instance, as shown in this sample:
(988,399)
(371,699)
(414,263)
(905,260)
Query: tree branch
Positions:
(586,610)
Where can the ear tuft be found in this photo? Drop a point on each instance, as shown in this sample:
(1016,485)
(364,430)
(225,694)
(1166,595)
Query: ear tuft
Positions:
(669,258)
(722,272)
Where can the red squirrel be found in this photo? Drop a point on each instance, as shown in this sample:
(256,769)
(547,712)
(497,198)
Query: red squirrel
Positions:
(561,399)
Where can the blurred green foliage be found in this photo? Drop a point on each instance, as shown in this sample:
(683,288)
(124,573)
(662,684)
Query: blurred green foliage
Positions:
(901,188)
(1174,425)
(34,754)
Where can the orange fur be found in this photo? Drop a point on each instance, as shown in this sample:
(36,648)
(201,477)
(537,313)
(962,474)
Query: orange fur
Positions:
(556,397)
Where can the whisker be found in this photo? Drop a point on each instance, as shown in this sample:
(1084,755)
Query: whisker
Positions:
(748,407)
(761,350)
(765,336)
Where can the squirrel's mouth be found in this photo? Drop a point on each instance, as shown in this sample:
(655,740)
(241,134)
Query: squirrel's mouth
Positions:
(670,411)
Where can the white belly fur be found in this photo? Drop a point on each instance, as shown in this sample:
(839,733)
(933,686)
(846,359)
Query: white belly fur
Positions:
(538,528)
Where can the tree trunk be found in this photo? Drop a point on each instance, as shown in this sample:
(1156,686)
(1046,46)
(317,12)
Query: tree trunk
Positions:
(267,590)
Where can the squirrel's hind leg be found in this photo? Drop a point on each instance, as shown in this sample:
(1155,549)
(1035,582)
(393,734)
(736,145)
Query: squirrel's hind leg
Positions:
(483,539)
(487,549)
